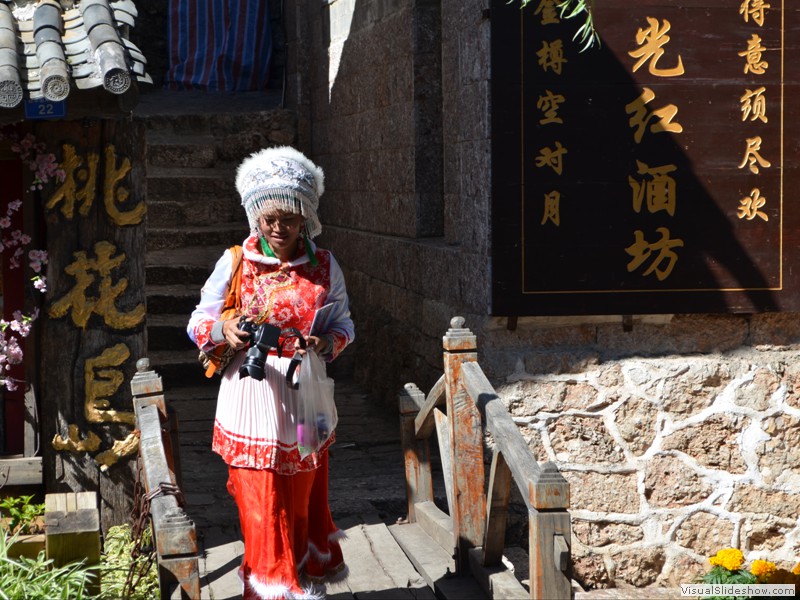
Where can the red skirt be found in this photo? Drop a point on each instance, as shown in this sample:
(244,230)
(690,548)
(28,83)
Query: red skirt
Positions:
(290,540)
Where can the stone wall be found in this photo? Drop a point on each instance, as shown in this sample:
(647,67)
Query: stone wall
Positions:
(677,436)
(401,129)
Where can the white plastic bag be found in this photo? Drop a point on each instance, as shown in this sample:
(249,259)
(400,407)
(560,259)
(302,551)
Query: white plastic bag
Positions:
(316,411)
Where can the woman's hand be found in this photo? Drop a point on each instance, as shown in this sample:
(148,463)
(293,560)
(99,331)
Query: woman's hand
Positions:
(318,344)
(236,338)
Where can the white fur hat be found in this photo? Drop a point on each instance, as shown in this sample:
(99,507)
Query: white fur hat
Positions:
(281,179)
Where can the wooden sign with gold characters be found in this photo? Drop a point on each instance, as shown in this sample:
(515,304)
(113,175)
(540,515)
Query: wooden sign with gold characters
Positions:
(647,173)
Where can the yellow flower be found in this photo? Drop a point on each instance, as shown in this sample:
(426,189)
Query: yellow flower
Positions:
(796,570)
(729,558)
(762,569)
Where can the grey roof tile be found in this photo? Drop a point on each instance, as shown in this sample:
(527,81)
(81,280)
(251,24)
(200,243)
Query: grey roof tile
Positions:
(49,48)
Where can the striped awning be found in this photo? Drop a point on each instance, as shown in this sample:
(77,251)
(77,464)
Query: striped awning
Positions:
(219,45)
(47,50)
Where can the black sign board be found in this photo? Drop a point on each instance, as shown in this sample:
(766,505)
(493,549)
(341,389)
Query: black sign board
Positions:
(655,173)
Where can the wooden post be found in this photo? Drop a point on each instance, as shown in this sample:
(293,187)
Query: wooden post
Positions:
(466,445)
(548,552)
(419,485)
(72,530)
(549,535)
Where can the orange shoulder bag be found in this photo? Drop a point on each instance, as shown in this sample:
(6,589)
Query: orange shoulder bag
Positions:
(217,359)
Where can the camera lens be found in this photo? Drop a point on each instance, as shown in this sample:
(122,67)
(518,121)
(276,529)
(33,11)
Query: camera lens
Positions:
(253,365)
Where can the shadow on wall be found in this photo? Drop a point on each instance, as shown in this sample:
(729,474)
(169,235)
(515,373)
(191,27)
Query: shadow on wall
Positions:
(376,107)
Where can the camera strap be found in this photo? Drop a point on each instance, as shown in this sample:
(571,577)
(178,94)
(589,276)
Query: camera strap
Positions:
(296,359)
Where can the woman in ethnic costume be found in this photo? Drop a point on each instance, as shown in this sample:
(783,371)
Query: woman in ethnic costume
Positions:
(290,539)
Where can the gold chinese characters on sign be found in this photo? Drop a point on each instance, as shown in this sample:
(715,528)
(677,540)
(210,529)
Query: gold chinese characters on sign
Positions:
(80,302)
(753,105)
(98,289)
(80,186)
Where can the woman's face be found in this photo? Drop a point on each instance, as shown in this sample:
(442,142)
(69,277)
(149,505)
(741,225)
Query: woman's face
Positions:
(281,230)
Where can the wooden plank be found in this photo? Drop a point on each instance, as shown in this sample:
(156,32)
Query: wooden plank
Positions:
(436,524)
(378,567)
(445,447)
(21,471)
(497,581)
(434,565)
(430,561)
(497,510)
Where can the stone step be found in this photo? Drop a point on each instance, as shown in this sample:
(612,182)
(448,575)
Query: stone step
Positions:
(168,149)
(168,332)
(202,391)
(222,234)
(174,298)
(235,135)
(189,265)
(191,184)
(179,369)
(177,211)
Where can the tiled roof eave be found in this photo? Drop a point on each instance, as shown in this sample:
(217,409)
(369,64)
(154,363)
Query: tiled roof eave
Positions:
(58,51)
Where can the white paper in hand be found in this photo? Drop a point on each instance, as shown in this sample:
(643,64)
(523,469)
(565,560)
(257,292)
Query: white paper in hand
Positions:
(321,317)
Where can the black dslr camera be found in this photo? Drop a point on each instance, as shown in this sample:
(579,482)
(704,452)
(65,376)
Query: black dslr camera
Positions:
(262,338)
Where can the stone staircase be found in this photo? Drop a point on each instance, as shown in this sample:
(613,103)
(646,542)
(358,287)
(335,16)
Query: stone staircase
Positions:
(195,141)
(193,208)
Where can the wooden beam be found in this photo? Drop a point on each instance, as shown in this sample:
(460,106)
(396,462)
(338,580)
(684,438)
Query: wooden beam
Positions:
(174,533)
(31,431)
(497,581)
(436,524)
(549,541)
(21,471)
(436,397)
(445,447)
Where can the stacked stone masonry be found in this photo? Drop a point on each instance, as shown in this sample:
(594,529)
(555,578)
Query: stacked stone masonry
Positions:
(670,459)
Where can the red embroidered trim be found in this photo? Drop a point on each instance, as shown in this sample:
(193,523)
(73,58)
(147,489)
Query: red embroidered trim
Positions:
(262,453)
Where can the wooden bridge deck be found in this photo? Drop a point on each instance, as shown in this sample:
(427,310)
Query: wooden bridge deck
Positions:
(399,545)
(379,568)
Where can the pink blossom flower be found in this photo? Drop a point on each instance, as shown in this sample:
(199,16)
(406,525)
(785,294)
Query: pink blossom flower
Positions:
(5,223)
(14,353)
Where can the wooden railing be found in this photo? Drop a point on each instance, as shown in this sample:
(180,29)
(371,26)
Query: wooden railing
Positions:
(174,533)
(474,529)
